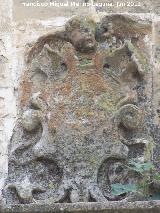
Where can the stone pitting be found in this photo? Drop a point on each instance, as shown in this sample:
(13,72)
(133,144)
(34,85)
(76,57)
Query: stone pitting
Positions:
(84,104)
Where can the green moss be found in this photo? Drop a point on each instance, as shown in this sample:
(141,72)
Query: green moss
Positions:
(148,152)
(106,103)
(56,62)
(90,24)
(17,172)
(85,61)
(88,113)
(93,161)
(85,64)
(51,186)
(110,52)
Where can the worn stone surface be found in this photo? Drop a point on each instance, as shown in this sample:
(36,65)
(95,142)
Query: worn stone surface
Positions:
(87,101)
(109,207)
(7,99)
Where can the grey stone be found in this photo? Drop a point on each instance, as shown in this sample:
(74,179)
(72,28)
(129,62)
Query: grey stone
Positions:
(84,112)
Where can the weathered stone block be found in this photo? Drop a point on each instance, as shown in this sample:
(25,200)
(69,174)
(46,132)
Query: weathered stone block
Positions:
(85,103)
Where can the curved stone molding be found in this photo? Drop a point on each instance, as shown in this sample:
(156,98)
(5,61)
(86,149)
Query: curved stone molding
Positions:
(130,116)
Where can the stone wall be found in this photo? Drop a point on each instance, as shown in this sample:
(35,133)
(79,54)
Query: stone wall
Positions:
(21,26)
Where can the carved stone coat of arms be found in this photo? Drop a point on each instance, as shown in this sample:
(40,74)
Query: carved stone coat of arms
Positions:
(85,111)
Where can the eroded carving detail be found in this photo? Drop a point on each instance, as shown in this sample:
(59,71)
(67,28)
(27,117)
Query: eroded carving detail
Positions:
(83,111)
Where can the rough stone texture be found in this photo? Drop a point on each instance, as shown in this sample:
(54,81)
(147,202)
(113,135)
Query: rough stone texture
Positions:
(111,207)
(77,121)
(7,99)
(85,100)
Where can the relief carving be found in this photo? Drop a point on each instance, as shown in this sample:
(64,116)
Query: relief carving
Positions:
(84,104)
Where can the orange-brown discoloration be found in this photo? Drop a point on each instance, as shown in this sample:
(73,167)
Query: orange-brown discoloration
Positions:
(26,88)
